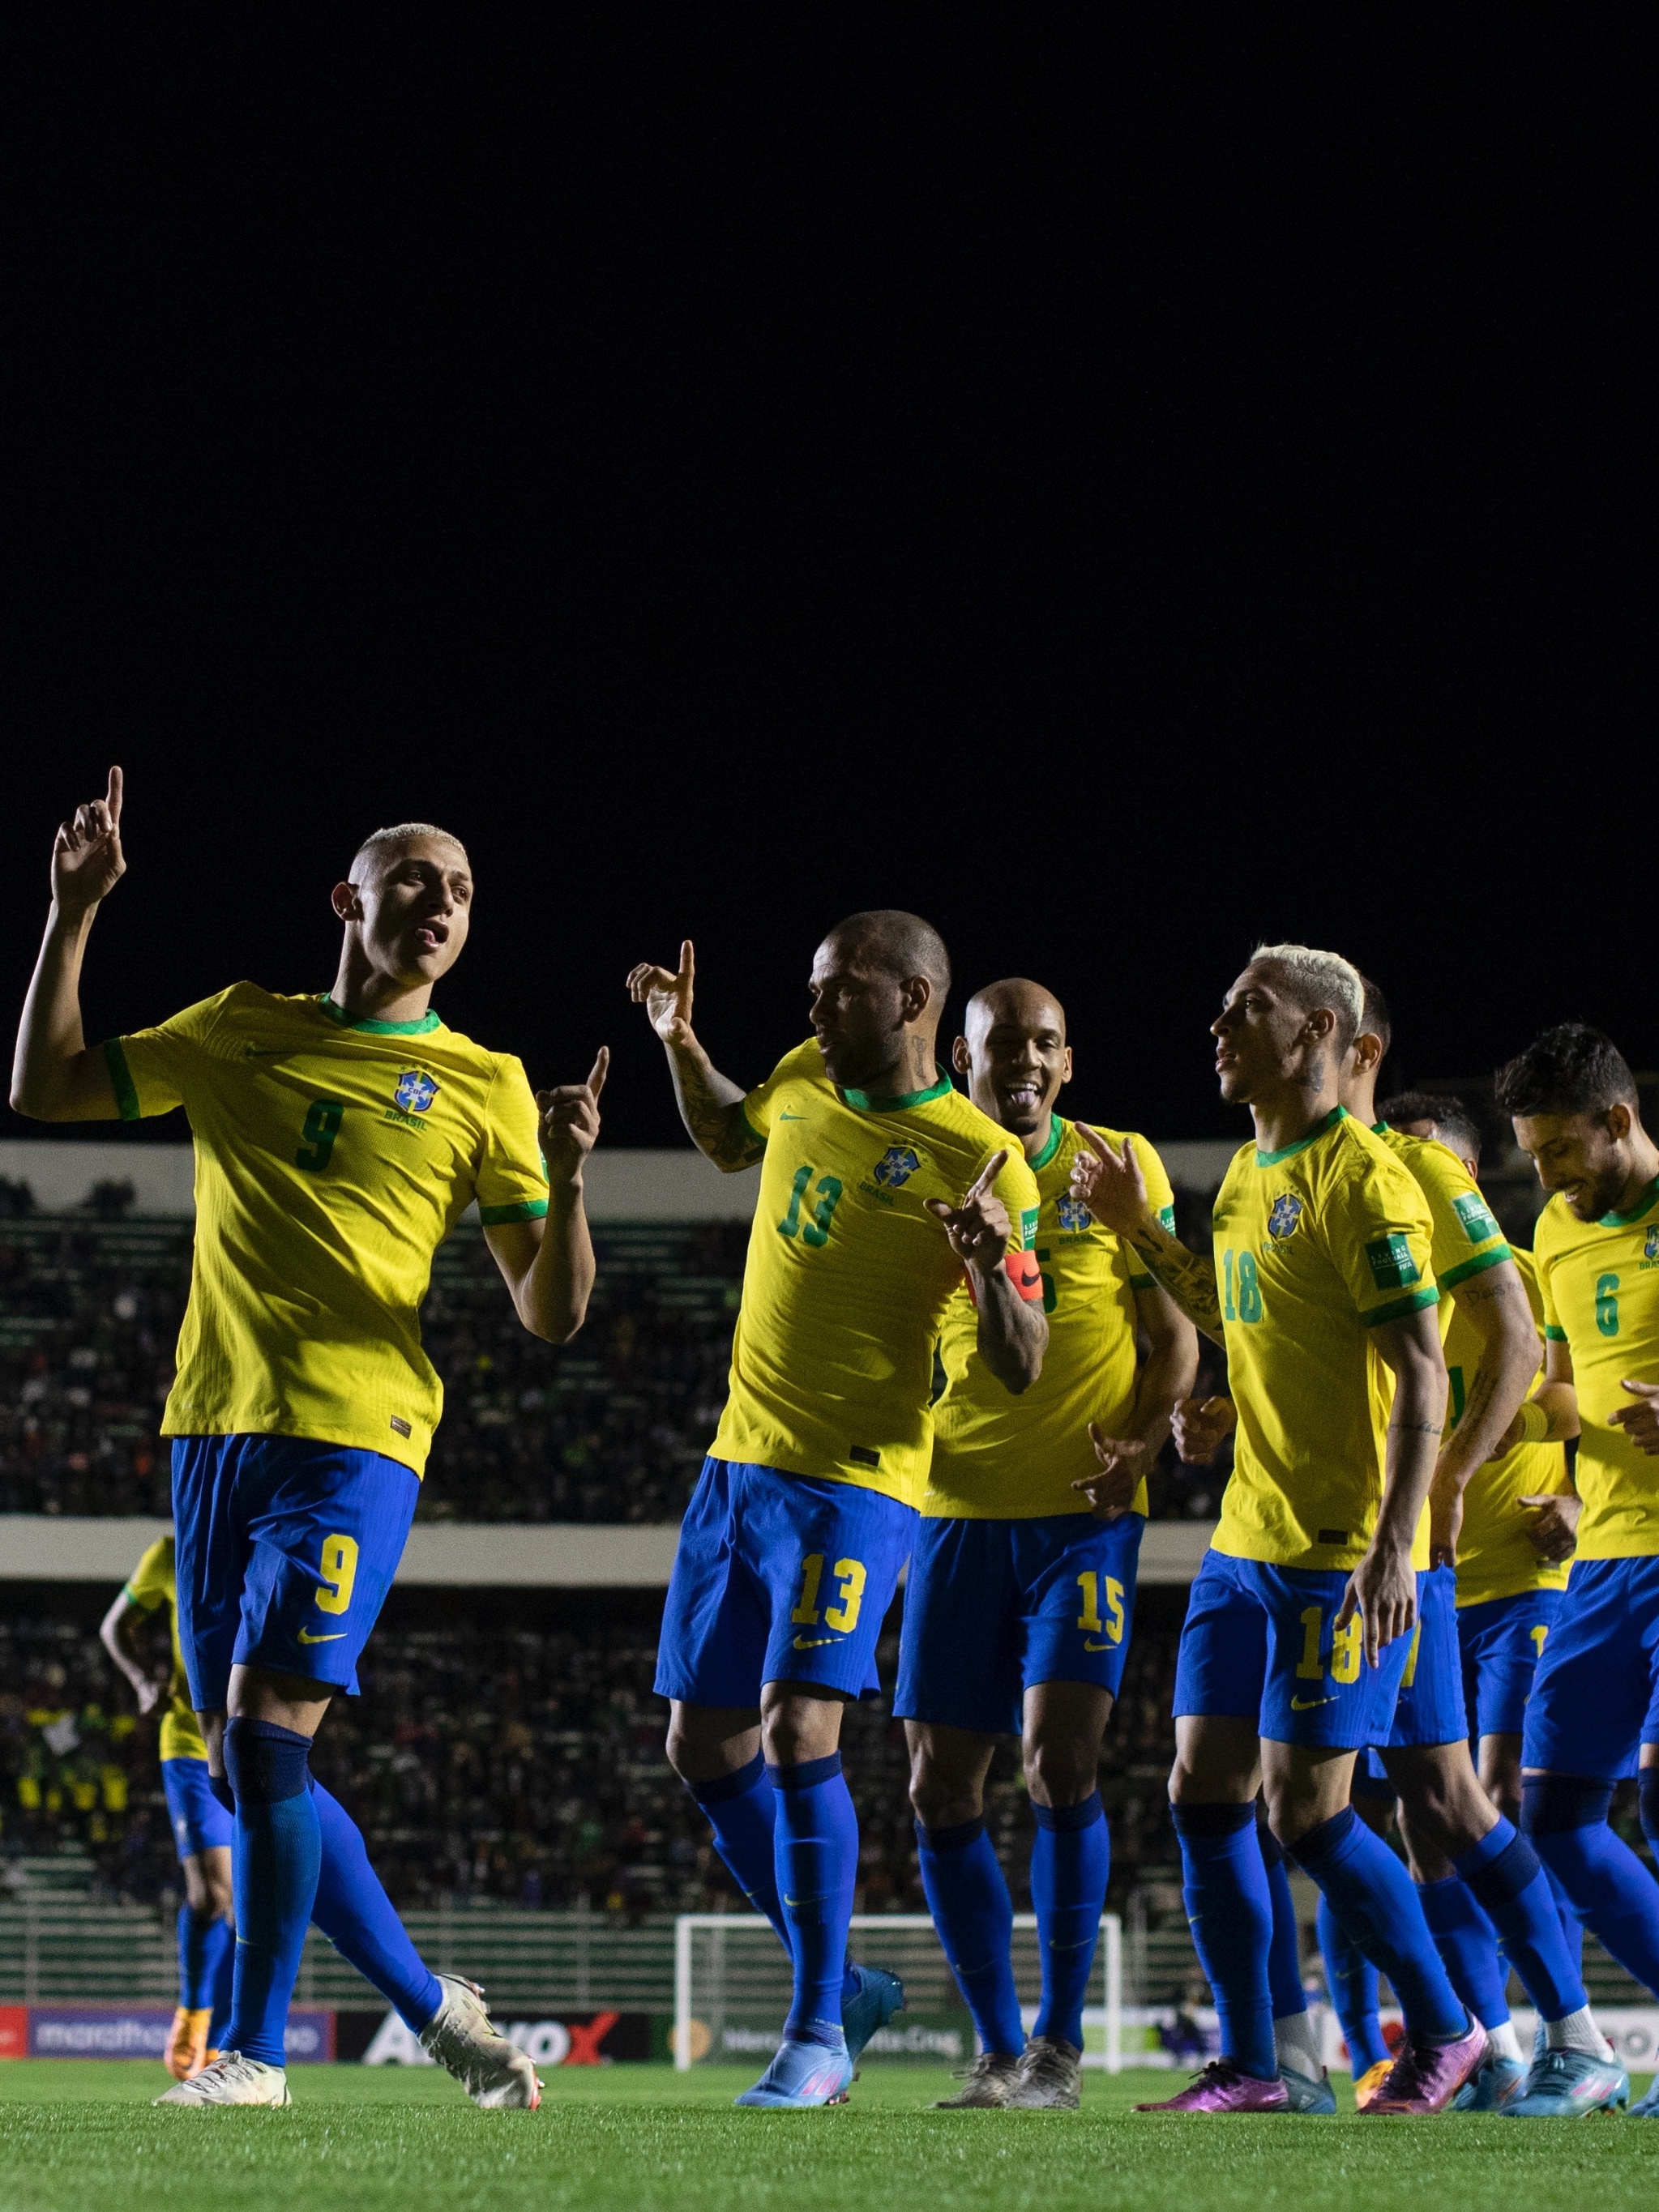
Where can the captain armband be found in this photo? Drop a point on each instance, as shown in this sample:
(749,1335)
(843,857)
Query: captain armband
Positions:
(1025,1275)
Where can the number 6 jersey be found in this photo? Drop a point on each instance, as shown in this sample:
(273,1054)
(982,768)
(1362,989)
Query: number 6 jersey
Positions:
(848,1275)
(332,1158)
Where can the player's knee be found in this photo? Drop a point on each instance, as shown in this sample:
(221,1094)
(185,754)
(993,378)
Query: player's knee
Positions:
(1059,1771)
(941,1799)
(1647,1788)
(1555,1809)
(266,1764)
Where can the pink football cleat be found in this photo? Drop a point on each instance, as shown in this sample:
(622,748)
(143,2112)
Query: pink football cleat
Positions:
(1222,2088)
(1425,2076)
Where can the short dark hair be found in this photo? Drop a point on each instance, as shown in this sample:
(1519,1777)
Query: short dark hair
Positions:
(901,944)
(1374,1018)
(1450,1116)
(1570,1069)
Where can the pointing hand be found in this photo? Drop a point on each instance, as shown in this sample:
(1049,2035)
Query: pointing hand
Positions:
(665,994)
(87,860)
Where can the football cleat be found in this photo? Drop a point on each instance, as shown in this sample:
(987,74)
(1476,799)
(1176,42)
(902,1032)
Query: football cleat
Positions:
(880,1996)
(187,2052)
(1222,2088)
(985,2084)
(801,2075)
(1425,2076)
(1050,2078)
(1569,2085)
(1495,2083)
(462,2037)
(231,2080)
(1315,2098)
(1648,2106)
(1370,2081)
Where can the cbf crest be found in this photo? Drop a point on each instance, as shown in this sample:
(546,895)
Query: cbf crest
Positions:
(895,1166)
(1072,1212)
(1286,1212)
(416,1091)
(1650,1247)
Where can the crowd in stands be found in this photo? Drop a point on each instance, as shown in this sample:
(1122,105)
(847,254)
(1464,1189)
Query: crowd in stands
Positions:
(611,1427)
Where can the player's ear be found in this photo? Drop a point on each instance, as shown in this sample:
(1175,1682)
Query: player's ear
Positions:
(346,901)
(915,996)
(1617,1121)
(1065,1064)
(961,1059)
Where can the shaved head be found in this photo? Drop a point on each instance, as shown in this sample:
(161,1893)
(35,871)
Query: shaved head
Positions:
(899,944)
(1016,1000)
(383,845)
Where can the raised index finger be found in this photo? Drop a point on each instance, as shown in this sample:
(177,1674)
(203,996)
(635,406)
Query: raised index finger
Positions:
(112,798)
(988,1175)
(601,1064)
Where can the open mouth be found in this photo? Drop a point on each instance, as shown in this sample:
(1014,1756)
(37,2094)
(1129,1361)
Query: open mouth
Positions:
(430,935)
(1022,1098)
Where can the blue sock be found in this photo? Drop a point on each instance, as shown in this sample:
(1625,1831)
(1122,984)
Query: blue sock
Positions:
(197,1958)
(974,1914)
(1351,1979)
(1230,1909)
(1285,1954)
(359,1919)
(817,1845)
(222,1984)
(1468,1944)
(1613,1893)
(1504,1875)
(741,1810)
(1376,1901)
(1573,1929)
(1071,1860)
(274,1866)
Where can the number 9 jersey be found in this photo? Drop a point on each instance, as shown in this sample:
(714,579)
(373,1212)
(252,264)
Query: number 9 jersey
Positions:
(332,1158)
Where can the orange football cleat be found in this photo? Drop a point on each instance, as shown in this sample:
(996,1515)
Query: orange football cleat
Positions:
(187,2051)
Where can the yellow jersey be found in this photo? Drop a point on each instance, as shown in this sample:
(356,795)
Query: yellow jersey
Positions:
(848,1275)
(1494,1556)
(152,1583)
(332,1158)
(1465,1241)
(1315,1245)
(1000,1457)
(1600,1283)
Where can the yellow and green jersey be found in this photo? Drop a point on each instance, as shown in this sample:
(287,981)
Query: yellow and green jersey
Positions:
(152,1583)
(1465,1241)
(1599,1282)
(848,1275)
(1494,1556)
(332,1158)
(1000,1457)
(1315,1246)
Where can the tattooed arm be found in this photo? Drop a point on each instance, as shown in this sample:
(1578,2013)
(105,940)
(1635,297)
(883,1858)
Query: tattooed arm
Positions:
(1114,1191)
(1496,1302)
(1383,1588)
(710,1103)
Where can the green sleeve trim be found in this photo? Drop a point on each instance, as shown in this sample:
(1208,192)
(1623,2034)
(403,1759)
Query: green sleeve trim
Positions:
(120,1075)
(750,1126)
(529,1209)
(1453,1276)
(1555,1335)
(1398,1307)
(1143,1282)
(144,1604)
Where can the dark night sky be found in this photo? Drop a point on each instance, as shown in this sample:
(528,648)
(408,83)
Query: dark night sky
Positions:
(1122,489)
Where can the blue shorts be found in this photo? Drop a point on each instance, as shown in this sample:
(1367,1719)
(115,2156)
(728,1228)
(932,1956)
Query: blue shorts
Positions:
(1258,1644)
(1430,1707)
(1501,1640)
(285,1551)
(1596,1696)
(200,1822)
(993,1607)
(778,1578)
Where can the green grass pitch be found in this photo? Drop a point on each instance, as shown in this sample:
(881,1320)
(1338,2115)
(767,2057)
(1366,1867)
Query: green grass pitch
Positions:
(79,2136)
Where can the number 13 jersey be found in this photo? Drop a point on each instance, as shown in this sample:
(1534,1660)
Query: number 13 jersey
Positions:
(848,1275)
(332,1158)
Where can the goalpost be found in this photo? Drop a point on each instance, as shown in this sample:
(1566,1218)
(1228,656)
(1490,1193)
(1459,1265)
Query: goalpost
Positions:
(732,1987)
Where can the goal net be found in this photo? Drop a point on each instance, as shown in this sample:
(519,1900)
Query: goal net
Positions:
(732,1989)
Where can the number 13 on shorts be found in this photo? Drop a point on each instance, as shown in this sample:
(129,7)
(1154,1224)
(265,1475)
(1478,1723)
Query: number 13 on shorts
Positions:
(852,1576)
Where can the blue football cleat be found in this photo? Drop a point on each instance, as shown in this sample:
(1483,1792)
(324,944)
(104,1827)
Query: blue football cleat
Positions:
(801,2075)
(1566,2085)
(1315,2098)
(1494,2085)
(1648,2107)
(878,1996)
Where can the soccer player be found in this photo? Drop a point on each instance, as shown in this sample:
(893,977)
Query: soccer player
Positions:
(802,1520)
(1595,1703)
(1298,1626)
(201,1825)
(339,1137)
(1032,1533)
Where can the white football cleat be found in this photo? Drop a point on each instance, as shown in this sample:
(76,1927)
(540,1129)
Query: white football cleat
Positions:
(461,2036)
(232,2080)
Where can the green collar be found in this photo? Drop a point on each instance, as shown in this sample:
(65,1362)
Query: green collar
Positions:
(1056,1139)
(867,1104)
(1380,1129)
(1623,1220)
(427,1022)
(1289,1152)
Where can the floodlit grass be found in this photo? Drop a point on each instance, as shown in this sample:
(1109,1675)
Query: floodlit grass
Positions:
(79,2136)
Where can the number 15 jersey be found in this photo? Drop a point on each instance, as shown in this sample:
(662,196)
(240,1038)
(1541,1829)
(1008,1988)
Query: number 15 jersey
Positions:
(848,1275)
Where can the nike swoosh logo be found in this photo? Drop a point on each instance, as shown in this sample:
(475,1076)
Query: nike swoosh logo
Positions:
(791,1117)
(305,1636)
(812,1643)
(1307,1704)
(1105,1646)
